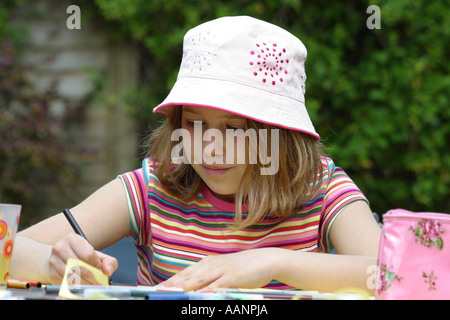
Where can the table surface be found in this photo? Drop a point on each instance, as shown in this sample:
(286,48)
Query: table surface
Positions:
(34,293)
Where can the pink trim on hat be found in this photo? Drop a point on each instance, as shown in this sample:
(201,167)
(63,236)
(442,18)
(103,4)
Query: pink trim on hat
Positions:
(162,106)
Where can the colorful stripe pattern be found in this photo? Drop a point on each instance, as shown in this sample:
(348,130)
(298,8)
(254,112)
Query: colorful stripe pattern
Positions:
(171,234)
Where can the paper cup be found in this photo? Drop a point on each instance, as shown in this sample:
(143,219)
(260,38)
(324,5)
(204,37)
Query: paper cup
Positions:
(9,221)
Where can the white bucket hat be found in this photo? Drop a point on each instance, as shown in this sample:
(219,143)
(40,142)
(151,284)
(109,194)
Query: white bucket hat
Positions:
(244,66)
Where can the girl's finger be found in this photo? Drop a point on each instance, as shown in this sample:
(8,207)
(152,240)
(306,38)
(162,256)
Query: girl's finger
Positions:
(73,246)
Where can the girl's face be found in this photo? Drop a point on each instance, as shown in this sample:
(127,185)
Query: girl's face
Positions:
(207,156)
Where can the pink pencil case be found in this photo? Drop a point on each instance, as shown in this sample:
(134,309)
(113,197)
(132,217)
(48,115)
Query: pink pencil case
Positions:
(414,256)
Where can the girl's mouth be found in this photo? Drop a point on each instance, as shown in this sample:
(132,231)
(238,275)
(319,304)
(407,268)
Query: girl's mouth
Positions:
(215,170)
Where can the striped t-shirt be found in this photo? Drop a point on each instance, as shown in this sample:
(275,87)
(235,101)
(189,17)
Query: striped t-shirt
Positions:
(171,234)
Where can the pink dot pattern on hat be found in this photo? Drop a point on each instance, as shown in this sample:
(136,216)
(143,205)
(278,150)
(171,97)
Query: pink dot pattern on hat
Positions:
(222,52)
(269,63)
(244,66)
(201,51)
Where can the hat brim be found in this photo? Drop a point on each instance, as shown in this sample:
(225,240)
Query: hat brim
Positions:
(239,99)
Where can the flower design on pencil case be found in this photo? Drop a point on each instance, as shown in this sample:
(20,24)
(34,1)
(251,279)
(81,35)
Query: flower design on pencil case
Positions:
(430,279)
(387,277)
(428,233)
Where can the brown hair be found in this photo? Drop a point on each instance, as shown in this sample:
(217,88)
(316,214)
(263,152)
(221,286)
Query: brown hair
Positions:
(280,195)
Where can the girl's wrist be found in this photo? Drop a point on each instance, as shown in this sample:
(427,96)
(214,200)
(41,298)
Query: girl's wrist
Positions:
(287,266)
(31,261)
(278,262)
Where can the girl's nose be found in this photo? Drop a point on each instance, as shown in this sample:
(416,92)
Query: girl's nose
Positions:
(214,146)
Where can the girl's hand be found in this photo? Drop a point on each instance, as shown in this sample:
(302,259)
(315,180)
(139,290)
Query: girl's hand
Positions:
(246,269)
(74,246)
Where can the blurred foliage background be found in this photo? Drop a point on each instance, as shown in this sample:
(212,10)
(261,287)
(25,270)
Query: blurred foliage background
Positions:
(379,98)
(36,152)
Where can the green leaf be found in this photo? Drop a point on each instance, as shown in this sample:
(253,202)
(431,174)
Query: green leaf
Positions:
(439,243)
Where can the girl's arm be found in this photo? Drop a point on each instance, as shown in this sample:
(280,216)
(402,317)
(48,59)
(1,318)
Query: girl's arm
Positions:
(41,251)
(355,235)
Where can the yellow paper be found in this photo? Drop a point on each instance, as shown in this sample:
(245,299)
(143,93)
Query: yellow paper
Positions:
(352,294)
(101,278)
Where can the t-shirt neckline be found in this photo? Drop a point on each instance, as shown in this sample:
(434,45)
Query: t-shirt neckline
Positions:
(219,203)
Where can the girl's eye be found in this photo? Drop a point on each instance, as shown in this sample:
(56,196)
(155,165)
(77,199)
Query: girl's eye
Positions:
(193,123)
(234,128)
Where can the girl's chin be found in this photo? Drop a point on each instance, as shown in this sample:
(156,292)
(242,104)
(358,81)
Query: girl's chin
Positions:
(222,192)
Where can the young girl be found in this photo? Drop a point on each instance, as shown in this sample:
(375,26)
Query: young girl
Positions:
(200,218)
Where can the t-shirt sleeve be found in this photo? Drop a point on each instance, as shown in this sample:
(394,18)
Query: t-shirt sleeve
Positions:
(340,192)
(136,191)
